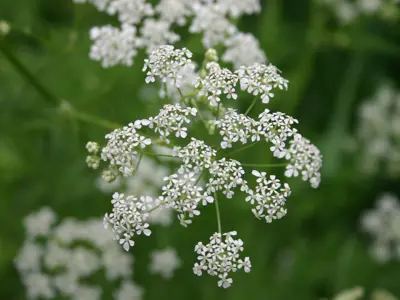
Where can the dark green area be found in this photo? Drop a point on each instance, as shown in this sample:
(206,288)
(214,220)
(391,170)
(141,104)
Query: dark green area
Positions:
(317,250)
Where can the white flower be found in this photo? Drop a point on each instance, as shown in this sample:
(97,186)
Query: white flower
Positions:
(220,257)
(259,79)
(164,262)
(218,81)
(129,218)
(269,197)
(113,46)
(166,63)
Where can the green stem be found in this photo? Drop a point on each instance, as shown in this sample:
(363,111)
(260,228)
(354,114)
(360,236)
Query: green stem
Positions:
(157,154)
(139,161)
(200,115)
(242,148)
(251,106)
(91,119)
(265,165)
(19,66)
(48,95)
(341,114)
(218,213)
(218,108)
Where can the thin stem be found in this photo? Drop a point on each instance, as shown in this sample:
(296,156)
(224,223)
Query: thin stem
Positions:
(242,148)
(91,119)
(201,175)
(218,108)
(157,154)
(28,75)
(200,115)
(218,213)
(265,165)
(48,95)
(251,106)
(181,94)
(139,161)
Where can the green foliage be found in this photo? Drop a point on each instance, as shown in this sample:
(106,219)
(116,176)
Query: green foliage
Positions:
(315,251)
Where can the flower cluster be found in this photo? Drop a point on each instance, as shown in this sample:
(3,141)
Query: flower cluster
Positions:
(220,257)
(383,224)
(199,172)
(269,197)
(260,79)
(123,42)
(148,26)
(122,146)
(166,63)
(217,82)
(377,135)
(73,252)
(129,217)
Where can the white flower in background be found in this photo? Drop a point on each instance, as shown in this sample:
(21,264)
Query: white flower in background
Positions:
(165,262)
(214,20)
(348,11)
(61,261)
(129,291)
(236,8)
(87,292)
(187,76)
(221,257)
(350,294)
(40,223)
(211,22)
(4,28)
(29,257)
(112,46)
(199,172)
(175,11)
(377,133)
(383,224)
(38,286)
(357,293)
(239,44)
(155,33)
(101,5)
(130,11)
(369,6)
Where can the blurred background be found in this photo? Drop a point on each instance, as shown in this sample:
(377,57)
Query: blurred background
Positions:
(335,66)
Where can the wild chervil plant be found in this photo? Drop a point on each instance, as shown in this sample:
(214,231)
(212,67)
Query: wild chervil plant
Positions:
(206,172)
